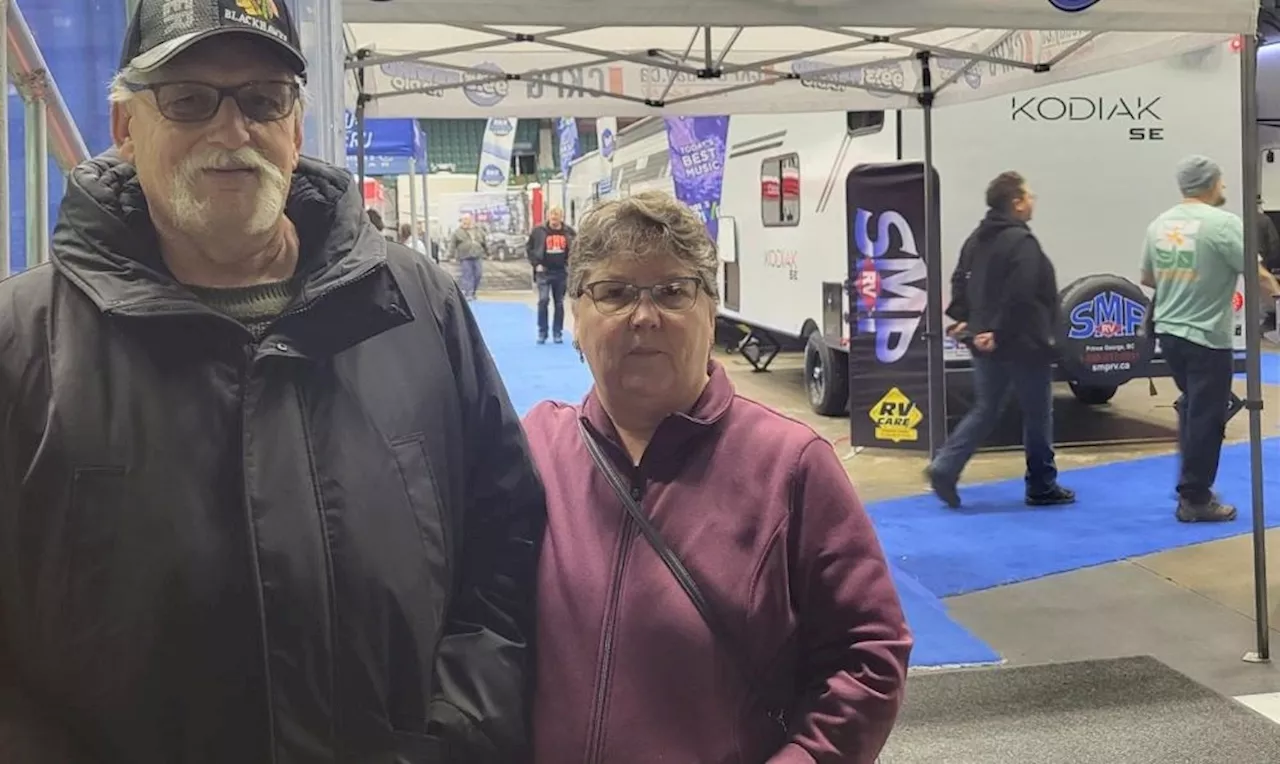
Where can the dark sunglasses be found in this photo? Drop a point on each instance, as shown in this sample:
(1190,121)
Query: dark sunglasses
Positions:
(199,102)
(614,297)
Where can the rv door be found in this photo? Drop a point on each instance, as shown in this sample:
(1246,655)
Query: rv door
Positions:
(727,245)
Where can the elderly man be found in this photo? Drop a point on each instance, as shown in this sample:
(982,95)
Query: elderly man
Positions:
(262,495)
(548,250)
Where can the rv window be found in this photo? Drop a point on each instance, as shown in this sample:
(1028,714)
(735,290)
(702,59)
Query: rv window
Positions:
(780,191)
(864,122)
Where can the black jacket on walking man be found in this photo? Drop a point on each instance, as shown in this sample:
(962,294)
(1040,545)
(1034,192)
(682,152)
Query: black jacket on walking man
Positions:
(549,248)
(1005,302)
(263,498)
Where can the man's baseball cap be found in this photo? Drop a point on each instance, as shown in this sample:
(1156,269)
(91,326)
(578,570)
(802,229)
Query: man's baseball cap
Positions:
(161,29)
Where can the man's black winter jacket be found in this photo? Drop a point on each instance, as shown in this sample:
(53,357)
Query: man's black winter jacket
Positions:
(1005,284)
(319,547)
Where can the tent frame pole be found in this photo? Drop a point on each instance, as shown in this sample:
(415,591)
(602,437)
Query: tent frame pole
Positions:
(1249,191)
(4,142)
(933,270)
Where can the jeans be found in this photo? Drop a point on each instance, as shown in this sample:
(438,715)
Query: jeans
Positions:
(1203,376)
(551,286)
(1032,384)
(470,276)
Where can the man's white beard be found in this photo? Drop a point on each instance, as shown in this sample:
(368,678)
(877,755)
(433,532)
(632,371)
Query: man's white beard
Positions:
(192,214)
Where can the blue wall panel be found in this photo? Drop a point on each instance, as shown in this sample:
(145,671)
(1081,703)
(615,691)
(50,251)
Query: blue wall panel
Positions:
(81,41)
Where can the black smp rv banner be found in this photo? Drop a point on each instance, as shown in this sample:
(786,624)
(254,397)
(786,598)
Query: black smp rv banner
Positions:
(888,346)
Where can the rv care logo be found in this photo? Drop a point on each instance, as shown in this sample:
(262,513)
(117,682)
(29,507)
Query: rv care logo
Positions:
(607,143)
(500,126)
(1138,115)
(1073,6)
(896,417)
(889,280)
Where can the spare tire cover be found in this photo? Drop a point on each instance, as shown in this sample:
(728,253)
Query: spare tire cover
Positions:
(1102,337)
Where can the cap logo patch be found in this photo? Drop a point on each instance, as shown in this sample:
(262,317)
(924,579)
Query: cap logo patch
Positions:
(261,9)
(178,16)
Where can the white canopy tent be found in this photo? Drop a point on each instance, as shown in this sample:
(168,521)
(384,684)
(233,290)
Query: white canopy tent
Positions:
(594,58)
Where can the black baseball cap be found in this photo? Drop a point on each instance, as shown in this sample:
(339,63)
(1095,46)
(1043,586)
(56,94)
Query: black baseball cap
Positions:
(161,29)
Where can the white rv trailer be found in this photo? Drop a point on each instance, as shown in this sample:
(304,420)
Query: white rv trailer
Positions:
(1099,153)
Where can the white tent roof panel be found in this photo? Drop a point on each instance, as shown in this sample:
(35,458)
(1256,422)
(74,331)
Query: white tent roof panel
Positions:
(604,58)
(1112,15)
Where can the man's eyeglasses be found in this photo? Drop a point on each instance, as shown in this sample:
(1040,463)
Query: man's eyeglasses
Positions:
(613,297)
(199,102)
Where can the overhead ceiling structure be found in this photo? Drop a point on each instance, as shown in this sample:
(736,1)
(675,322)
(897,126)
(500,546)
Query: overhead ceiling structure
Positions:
(592,58)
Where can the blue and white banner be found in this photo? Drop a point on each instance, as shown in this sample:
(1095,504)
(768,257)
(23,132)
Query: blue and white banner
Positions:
(495,154)
(607,140)
(389,144)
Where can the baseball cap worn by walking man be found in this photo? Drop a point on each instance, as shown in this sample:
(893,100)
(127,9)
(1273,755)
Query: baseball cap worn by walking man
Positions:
(1197,174)
(162,29)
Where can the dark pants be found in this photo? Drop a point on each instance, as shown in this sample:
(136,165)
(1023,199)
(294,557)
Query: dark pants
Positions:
(1032,385)
(551,285)
(470,276)
(1203,376)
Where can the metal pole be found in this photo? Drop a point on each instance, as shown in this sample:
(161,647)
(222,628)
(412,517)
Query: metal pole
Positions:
(426,210)
(933,270)
(4,142)
(37,160)
(1249,183)
(413,200)
(30,72)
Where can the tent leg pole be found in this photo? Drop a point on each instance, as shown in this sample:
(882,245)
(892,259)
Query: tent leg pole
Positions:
(426,208)
(413,201)
(1249,190)
(933,266)
(4,143)
(361,99)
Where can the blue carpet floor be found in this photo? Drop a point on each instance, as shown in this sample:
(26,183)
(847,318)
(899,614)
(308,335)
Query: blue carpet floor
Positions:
(1270,368)
(1125,509)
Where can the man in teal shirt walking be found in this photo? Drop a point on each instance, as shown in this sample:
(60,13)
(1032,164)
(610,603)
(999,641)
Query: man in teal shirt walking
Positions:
(1193,259)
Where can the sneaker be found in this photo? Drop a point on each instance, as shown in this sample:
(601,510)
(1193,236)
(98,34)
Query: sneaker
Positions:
(942,488)
(558,339)
(1212,511)
(542,339)
(1054,497)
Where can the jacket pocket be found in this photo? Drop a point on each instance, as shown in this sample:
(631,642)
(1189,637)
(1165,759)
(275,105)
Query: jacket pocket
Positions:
(423,494)
(412,640)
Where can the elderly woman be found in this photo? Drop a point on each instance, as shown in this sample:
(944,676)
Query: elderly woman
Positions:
(711,589)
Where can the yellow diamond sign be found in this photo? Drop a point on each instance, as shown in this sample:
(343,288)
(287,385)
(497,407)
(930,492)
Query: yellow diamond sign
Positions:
(896,417)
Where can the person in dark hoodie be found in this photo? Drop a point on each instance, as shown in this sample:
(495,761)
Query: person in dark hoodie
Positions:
(1005,302)
(548,250)
(263,497)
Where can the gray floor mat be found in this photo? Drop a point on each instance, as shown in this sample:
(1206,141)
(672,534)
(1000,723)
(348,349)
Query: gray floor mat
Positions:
(1120,711)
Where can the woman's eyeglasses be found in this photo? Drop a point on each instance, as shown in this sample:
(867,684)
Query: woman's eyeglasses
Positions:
(198,101)
(614,297)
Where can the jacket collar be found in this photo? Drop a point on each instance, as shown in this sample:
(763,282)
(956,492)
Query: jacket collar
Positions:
(674,432)
(106,245)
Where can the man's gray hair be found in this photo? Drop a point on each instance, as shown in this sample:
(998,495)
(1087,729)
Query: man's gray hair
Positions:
(119,91)
(648,224)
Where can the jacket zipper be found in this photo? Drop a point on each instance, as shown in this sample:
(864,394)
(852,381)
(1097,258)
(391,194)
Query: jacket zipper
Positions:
(604,675)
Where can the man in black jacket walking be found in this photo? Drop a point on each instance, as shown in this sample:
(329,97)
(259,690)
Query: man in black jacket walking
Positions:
(549,248)
(1005,300)
(263,498)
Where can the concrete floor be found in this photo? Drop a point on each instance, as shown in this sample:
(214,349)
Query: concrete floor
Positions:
(1190,607)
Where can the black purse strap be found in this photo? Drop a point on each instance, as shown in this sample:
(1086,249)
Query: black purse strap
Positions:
(676,566)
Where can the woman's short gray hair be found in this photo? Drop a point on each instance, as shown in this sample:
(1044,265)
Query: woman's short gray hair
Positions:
(648,224)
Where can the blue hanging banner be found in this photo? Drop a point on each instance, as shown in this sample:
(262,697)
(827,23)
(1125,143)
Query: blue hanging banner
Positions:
(386,139)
